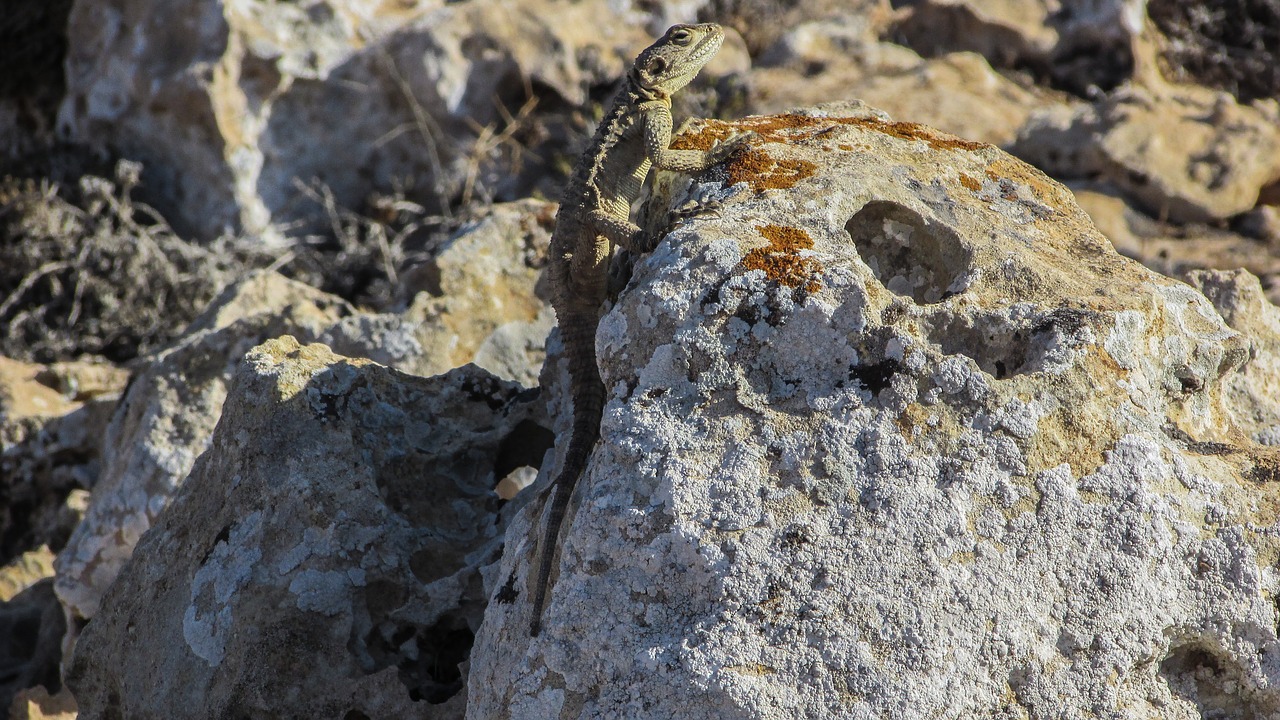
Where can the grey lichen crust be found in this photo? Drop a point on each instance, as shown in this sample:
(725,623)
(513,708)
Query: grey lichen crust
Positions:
(594,217)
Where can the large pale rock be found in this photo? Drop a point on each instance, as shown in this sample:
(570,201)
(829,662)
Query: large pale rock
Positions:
(1181,152)
(230,104)
(1079,45)
(478,298)
(894,432)
(165,419)
(323,560)
(958,92)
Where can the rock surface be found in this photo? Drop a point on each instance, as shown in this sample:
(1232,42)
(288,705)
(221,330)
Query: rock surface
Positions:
(165,419)
(324,557)
(894,432)
(242,100)
(1181,153)
(958,92)
(478,298)
(51,422)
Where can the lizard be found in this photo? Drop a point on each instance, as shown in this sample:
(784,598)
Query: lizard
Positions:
(594,217)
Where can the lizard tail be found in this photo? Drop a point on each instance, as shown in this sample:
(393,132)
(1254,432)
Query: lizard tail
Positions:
(588,405)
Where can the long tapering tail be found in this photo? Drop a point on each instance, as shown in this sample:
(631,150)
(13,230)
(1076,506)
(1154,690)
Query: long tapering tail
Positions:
(587,392)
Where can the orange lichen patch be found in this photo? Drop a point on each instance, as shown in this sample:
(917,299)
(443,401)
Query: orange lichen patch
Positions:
(781,260)
(763,172)
(792,128)
(755,166)
(970,182)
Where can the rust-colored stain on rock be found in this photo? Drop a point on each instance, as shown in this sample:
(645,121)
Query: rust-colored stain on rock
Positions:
(792,128)
(764,172)
(781,260)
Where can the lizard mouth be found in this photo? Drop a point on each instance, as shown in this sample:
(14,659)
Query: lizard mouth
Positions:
(709,45)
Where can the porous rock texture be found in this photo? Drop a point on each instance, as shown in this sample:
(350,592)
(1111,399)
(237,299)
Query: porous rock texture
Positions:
(322,559)
(893,432)
(476,300)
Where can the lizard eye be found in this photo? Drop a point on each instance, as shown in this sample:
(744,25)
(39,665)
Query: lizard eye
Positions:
(681,37)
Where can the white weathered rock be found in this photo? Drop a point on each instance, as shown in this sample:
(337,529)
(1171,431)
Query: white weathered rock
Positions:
(165,419)
(1253,394)
(322,561)
(894,432)
(1182,153)
(229,104)
(475,301)
(957,92)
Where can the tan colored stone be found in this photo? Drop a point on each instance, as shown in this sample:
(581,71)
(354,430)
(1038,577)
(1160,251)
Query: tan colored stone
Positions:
(958,92)
(478,300)
(25,571)
(37,704)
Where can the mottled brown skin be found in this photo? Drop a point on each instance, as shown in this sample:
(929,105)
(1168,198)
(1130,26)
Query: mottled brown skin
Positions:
(594,217)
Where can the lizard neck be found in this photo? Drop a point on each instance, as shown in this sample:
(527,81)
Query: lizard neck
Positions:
(639,93)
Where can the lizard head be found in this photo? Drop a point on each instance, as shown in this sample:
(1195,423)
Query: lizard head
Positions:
(671,63)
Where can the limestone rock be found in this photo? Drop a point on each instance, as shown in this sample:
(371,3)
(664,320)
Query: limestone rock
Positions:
(1182,153)
(1253,395)
(1006,32)
(1081,46)
(958,92)
(229,104)
(166,418)
(1176,249)
(478,298)
(894,432)
(324,557)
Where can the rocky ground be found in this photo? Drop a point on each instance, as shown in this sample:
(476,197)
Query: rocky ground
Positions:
(962,403)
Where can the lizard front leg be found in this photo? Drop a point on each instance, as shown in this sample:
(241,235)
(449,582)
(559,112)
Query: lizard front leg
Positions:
(657,142)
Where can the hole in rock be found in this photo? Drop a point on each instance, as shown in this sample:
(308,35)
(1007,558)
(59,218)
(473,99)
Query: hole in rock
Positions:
(525,445)
(999,349)
(1200,675)
(428,659)
(911,256)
